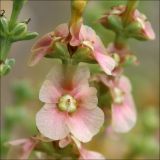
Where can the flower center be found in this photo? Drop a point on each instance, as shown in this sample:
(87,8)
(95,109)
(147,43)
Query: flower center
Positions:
(118,95)
(88,44)
(67,103)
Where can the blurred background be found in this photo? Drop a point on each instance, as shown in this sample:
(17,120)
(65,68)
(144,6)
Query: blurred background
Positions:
(19,89)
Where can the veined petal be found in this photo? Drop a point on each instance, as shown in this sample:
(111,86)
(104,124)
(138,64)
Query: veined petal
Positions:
(56,76)
(49,93)
(87,97)
(106,62)
(81,76)
(124,115)
(62,30)
(88,121)
(37,55)
(43,42)
(25,147)
(124,84)
(51,122)
(41,48)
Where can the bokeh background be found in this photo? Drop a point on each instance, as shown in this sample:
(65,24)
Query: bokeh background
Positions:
(19,89)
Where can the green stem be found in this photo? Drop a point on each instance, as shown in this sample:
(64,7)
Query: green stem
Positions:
(120,41)
(4,48)
(17,6)
(127,16)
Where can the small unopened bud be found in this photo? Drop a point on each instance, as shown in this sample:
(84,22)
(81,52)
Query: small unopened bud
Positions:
(19,30)
(6,66)
(3,26)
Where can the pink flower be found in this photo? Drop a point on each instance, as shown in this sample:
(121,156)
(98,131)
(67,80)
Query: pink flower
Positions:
(123,107)
(45,45)
(85,37)
(27,146)
(142,31)
(70,105)
(88,38)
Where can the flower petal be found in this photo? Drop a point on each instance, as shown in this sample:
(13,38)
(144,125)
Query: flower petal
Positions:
(88,121)
(90,155)
(56,76)
(51,122)
(124,115)
(81,76)
(124,84)
(87,97)
(106,62)
(62,30)
(43,42)
(36,56)
(49,93)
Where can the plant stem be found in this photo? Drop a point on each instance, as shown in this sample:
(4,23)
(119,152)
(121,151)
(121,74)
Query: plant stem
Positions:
(4,48)
(120,41)
(130,8)
(17,6)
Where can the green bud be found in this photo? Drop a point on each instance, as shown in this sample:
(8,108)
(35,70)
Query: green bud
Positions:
(83,54)
(3,26)
(133,29)
(6,66)
(115,23)
(27,36)
(60,51)
(130,59)
(30,35)
(19,30)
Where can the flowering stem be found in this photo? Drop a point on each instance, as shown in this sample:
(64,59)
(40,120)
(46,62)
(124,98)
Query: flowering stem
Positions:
(17,6)
(4,48)
(120,41)
(131,6)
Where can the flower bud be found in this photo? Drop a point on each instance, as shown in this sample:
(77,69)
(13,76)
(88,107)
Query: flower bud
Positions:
(3,26)
(19,30)
(138,26)
(6,66)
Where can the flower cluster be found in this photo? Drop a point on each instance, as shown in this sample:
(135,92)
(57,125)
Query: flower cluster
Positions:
(74,110)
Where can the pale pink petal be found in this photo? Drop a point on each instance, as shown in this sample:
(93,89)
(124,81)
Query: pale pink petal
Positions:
(62,30)
(90,155)
(124,115)
(41,48)
(37,55)
(26,147)
(106,62)
(148,31)
(51,122)
(108,82)
(124,84)
(81,76)
(87,33)
(49,93)
(56,76)
(84,123)
(43,42)
(87,97)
